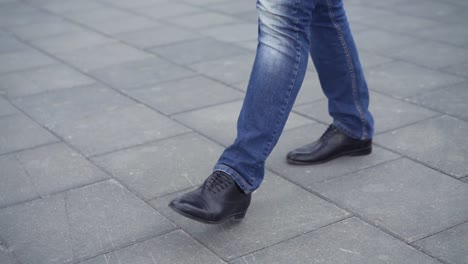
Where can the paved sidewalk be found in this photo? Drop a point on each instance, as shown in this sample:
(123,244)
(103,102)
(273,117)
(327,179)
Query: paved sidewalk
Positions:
(110,108)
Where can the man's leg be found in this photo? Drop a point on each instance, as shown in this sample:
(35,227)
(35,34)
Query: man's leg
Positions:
(337,62)
(276,78)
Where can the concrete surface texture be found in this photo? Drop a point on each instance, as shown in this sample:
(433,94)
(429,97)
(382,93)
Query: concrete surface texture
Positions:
(110,108)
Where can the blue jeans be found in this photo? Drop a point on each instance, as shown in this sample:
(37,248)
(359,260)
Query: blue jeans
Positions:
(288,31)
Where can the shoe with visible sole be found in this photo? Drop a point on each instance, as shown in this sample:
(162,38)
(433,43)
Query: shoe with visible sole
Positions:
(215,201)
(331,145)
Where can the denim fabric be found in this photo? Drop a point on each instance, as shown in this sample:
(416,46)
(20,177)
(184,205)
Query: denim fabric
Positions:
(288,31)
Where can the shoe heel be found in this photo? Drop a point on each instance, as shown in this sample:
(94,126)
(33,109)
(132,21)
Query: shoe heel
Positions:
(361,152)
(239,216)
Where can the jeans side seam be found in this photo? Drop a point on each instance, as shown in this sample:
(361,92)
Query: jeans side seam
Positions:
(350,68)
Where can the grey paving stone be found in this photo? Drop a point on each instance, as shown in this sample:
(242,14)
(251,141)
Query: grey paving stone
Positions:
(370,59)
(26,17)
(101,56)
(71,41)
(163,167)
(450,100)
(16,183)
(5,258)
(152,37)
(60,7)
(203,20)
(139,73)
(233,32)
(364,12)
(184,95)
(382,42)
(9,44)
(118,128)
(402,79)
(56,168)
(449,245)
(6,108)
(460,69)
(249,44)
(229,70)
(441,55)
(454,34)
(18,132)
(348,242)
(437,142)
(400,23)
(436,10)
(168,9)
(97,14)
(307,175)
(175,247)
(135,4)
(78,224)
(249,16)
(17,61)
(55,108)
(204,2)
(45,29)
(311,90)
(122,24)
(194,51)
(233,7)
(388,113)
(395,196)
(219,122)
(47,78)
(279,210)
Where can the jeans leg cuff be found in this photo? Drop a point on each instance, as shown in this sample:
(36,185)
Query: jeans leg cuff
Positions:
(348,132)
(235,176)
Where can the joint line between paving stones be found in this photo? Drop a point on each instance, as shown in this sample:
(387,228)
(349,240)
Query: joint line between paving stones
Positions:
(146,143)
(98,166)
(411,124)
(417,161)
(359,216)
(53,193)
(438,232)
(409,101)
(165,21)
(111,87)
(99,81)
(206,106)
(30,148)
(9,253)
(398,12)
(131,45)
(296,236)
(125,245)
(355,171)
(171,62)
(198,241)
(286,179)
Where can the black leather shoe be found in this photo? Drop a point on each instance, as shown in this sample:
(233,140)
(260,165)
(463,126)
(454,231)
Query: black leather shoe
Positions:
(331,145)
(216,201)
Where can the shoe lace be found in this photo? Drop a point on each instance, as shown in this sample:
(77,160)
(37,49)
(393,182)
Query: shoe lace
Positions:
(218,181)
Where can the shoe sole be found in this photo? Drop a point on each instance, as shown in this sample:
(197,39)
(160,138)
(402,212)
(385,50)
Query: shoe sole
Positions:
(356,152)
(237,216)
